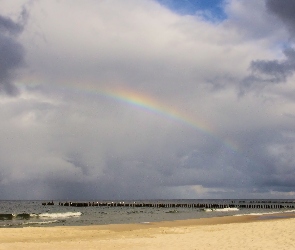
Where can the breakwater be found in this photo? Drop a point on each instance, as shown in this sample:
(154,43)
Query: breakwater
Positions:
(255,204)
(69,212)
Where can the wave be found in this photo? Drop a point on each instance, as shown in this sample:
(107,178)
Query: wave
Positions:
(14,216)
(226,209)
(30,223)
(60,215)
(172,212)
(267,213)
(25,216)
(40,222)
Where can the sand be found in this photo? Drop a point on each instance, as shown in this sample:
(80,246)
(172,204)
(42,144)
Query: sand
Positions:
(245,232)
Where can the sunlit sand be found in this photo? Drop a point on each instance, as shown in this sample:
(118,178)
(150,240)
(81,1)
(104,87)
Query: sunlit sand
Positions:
(237,232)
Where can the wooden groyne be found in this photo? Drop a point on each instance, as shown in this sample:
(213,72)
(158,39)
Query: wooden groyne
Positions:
(50,203)
(233,204)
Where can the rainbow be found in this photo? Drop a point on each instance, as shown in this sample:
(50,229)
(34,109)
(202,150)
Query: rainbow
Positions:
(150,104)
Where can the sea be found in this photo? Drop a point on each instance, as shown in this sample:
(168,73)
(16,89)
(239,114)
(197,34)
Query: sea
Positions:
(31,213)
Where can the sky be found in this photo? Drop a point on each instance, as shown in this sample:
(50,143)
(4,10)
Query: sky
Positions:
(147,99)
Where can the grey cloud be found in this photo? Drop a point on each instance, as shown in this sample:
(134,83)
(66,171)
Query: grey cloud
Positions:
(265,72)
(285,11)
(274,70)
(271,163)
(9,26)
(11,51)
(75,156)
(77,143)
(252,20)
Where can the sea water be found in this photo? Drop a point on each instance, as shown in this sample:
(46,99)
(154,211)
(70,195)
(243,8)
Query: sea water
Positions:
(33,213)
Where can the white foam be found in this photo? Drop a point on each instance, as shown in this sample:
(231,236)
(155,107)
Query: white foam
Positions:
(40,222)
(266,213)
(226,209)
(60,215)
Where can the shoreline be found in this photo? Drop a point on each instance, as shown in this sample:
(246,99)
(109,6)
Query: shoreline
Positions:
(223,232)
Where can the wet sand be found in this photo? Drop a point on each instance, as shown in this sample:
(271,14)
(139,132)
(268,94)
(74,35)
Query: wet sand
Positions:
(237,232)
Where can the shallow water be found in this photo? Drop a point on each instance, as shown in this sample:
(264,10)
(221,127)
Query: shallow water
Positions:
(33,213)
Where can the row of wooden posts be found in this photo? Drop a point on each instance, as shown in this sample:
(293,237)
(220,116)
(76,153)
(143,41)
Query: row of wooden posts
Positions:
(178,205)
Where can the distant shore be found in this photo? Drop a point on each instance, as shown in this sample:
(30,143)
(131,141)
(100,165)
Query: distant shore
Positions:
(230,232)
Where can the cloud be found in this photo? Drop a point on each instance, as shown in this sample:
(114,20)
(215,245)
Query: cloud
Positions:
(265,72)
(183,132)
(285,11)
(11,51)
(277,71)
(252,20)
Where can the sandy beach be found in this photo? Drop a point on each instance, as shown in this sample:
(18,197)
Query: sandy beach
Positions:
(237,232)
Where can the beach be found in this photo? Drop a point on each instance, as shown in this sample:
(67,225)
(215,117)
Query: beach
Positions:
(229,232)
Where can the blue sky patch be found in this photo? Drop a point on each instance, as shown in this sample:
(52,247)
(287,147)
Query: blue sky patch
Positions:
(211,9)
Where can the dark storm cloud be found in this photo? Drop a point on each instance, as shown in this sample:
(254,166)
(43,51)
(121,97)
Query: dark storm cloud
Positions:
(11,51)
(285,11)
(265,72)
(279,71)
